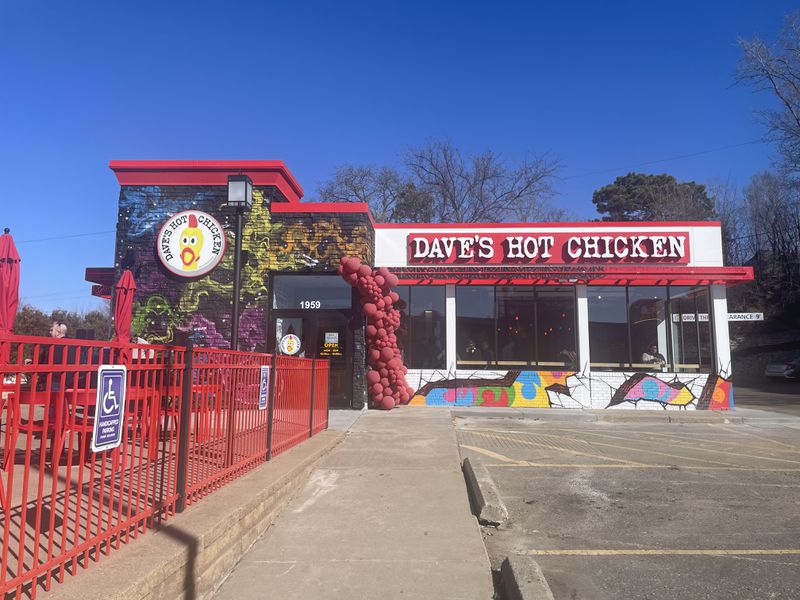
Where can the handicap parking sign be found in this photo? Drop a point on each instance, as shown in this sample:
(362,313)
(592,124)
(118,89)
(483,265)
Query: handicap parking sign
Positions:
(263,388)
(109,416)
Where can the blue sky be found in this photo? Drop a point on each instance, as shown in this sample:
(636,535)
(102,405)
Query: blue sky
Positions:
(604,87)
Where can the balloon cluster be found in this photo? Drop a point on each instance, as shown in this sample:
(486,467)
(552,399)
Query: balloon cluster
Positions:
(387,378)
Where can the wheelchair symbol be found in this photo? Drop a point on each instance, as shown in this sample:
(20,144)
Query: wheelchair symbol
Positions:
(111,397)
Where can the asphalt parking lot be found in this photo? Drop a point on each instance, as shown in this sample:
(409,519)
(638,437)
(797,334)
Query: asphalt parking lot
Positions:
(646,510)
(777,396)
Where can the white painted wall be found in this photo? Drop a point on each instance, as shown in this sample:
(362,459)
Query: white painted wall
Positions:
(450,325)
(722,340)
(582,307)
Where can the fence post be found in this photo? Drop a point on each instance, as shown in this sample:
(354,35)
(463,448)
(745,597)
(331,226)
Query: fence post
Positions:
(233,380)
(183,431)
(328,399)
(270,417)
(311,412)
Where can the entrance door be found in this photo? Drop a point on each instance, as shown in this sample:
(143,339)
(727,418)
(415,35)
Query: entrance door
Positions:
(324,334)
(334,342)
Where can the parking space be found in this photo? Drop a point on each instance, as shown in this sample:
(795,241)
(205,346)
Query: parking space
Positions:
(646,510)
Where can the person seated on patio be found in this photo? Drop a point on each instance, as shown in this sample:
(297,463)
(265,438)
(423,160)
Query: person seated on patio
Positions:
(58,331)
(653,356)
(470,352)
(141,377)
(570,358)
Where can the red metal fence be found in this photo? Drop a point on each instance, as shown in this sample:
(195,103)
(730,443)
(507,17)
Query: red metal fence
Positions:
(195,418)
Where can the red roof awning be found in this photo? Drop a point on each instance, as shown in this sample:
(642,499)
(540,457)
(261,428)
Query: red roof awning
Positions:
(207,172)
(103,277)
(573,274)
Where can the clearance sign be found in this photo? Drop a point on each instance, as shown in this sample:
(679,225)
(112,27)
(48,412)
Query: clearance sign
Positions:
(551,248)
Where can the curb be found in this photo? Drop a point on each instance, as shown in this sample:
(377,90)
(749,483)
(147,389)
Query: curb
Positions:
(192,553)
(649,416)
(522,579)
(489,506)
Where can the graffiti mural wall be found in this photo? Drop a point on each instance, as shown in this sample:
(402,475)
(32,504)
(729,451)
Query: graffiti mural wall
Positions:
(165,303)
(565,389)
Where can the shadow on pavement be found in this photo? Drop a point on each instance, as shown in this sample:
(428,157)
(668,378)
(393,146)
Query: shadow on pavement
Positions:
(191,543)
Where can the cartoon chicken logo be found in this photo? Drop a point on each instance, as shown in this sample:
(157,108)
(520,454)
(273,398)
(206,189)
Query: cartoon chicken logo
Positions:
(191,243)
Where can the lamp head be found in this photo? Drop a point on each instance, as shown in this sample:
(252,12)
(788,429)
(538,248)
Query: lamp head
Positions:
(240,191)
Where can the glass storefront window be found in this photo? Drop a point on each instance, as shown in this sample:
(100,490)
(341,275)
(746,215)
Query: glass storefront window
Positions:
(647,308)
(516,327)
(650,328)
(608,327)
(311,292)
(631,328)
(691,328)
(475,326)
(556,344)
(427,327)
(421,335)
(704,329)
(402,331)
(516,307)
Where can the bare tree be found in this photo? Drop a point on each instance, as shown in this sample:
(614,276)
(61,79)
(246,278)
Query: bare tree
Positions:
(391,196)
(774,237)
(728,207)
(776,68)
(482,187)
(440,184)
(378,187)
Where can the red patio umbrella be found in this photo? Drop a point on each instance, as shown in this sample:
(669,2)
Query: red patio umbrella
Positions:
(9,287)
(123,303)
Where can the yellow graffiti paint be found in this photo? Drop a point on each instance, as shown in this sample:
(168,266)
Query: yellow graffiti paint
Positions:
(540,400)
(417,401)
(683,398)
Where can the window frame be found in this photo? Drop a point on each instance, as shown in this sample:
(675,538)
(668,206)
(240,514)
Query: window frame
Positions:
(670,366)
(536,363)
(407,352)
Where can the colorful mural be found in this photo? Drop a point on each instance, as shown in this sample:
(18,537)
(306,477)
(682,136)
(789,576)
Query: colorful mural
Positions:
(166,304)
(642,387)
(566,389)
(523,389)
(717,394)
(320,244)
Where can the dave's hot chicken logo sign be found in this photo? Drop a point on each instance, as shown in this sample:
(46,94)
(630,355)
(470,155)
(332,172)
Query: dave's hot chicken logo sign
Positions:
(551,248)
(191,243)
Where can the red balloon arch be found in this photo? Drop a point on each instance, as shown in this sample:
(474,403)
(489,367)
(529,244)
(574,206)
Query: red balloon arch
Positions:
(386,381)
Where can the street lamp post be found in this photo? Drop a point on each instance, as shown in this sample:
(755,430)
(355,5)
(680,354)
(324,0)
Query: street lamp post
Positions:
(240,197)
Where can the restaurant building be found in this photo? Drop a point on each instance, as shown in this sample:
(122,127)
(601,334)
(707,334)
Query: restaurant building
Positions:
(572,315)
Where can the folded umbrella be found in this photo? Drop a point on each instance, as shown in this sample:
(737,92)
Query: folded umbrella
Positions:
(9,288)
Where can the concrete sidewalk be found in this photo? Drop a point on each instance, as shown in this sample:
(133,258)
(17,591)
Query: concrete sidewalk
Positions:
(385,515)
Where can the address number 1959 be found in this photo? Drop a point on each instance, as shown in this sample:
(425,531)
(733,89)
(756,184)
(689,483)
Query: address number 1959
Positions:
(310,304)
